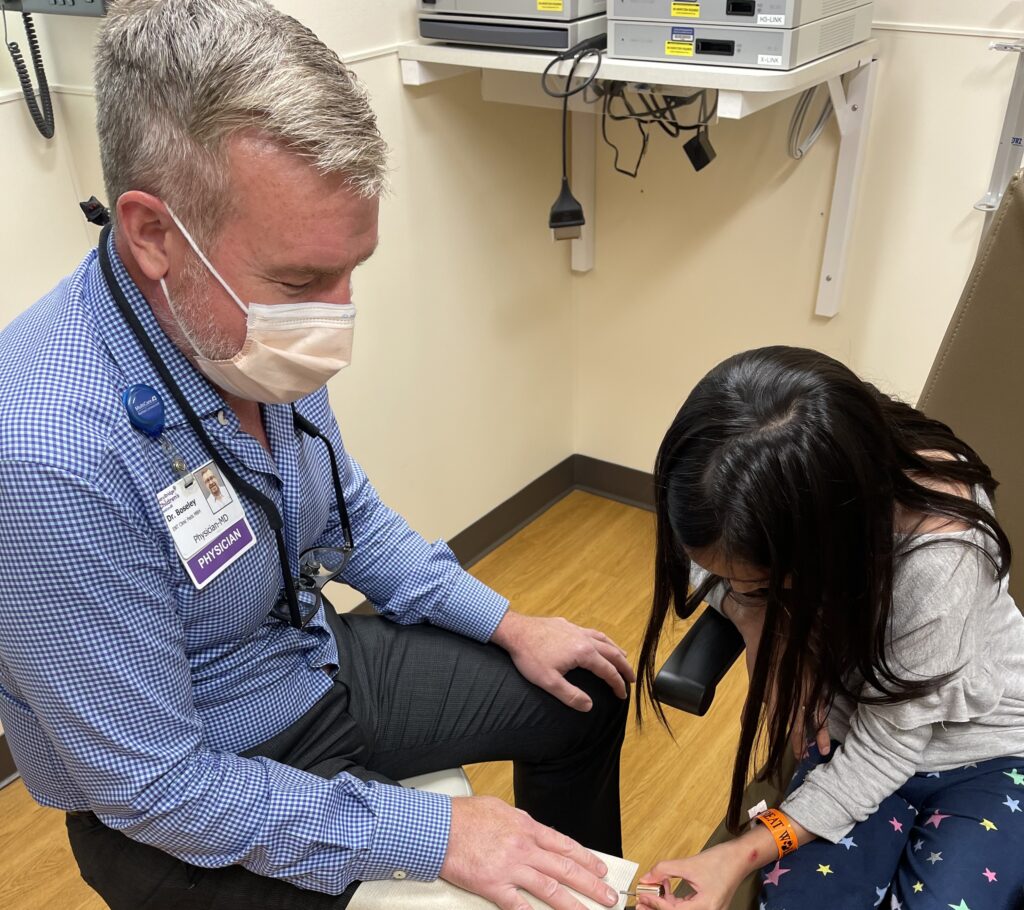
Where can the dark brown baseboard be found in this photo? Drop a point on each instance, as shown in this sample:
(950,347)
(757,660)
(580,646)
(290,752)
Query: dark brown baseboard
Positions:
(513,514)
(578,472)
(613,481)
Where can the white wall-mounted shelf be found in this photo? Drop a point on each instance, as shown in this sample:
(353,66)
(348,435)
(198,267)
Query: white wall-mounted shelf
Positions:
(513,77)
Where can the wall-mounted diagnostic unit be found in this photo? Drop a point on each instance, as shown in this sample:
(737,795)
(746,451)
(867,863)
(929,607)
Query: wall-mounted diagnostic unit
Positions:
(551,25)
(563,10)
(65,7)
(680,40)
(764,13)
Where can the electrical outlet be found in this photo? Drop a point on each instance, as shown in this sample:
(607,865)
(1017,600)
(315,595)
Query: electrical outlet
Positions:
(64,7)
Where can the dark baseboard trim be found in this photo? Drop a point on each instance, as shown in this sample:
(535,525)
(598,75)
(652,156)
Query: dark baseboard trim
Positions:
(513,514)
(613,481)
(577,472)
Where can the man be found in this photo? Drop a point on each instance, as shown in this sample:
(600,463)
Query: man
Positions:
(217,739)
(213,494)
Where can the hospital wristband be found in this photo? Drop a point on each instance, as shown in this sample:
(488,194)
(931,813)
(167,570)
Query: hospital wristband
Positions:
(781,830)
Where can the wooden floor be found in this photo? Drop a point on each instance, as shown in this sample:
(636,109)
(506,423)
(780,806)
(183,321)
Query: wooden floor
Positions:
(587,559)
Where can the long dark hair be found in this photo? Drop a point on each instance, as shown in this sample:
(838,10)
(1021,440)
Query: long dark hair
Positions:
(784,459)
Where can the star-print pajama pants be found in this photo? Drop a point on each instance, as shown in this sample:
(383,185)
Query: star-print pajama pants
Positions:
(944,841)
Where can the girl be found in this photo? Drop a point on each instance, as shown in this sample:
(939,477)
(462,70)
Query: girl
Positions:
(852,541)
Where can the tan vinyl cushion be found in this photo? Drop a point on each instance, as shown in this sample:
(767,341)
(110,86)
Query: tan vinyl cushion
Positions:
(977,380)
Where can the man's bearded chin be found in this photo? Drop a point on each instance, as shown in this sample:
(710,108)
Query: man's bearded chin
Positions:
(200,332)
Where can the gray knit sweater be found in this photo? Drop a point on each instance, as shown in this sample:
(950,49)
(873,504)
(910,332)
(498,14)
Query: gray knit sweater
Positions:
(950,615)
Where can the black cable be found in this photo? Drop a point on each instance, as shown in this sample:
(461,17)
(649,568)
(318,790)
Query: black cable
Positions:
(644,138)
(567,216)
(656,110)
(565,138)
(43,119)
(592,48)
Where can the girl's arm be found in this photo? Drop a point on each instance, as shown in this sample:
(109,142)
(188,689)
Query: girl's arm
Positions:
(717,873)
(749,621)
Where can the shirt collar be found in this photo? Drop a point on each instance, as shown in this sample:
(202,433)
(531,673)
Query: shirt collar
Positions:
(131,357)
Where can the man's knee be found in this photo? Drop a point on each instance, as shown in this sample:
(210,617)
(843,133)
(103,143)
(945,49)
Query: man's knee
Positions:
(607,718)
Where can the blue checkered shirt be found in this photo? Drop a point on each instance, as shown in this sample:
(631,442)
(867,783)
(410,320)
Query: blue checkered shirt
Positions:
(126,691)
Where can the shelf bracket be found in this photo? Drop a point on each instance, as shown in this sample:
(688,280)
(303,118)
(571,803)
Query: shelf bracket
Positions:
(584,186)
(853,103)
(1011,140)
(416,72)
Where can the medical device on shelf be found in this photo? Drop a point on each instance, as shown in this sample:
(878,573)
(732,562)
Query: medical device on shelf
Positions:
(519,34)
(730,45)
(565,10)
(758,13)
(550,25)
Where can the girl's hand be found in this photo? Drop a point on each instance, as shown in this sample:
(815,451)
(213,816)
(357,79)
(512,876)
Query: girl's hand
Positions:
(717,873)
(714,875)
(817,720)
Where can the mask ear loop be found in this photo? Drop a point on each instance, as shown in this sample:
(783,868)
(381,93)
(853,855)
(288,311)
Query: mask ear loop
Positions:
(205,261)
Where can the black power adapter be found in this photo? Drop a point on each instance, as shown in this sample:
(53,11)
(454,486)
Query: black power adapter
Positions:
(699,150)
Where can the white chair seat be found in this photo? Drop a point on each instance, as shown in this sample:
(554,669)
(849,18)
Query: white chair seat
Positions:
(440,895)
(450,783)
(394,895)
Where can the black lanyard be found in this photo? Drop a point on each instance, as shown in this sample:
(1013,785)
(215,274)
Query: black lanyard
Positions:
(265,504)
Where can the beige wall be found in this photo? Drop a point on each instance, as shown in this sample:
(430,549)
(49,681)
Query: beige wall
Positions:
(481,361)
(694,267)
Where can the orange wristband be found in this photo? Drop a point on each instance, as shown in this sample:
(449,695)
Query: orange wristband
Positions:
(781,829)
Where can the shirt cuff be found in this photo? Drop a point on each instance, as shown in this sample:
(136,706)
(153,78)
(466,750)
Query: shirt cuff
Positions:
(472,609)
(411,836)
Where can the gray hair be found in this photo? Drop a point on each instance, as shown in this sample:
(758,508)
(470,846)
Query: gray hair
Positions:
(175,79)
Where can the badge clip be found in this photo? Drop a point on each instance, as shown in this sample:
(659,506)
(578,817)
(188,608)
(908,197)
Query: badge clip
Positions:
(146,413)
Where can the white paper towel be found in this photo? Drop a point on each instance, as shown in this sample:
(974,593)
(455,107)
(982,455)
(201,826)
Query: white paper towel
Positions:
(440,895)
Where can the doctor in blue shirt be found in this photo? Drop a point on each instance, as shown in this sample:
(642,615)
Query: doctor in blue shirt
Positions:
(218,736)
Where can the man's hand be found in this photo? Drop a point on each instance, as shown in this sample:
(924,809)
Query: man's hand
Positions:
(545,649)
(494,850)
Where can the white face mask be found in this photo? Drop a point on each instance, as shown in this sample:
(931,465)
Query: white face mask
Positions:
(290,349)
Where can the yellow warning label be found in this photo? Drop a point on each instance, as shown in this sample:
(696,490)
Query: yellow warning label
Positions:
(550,6)
(686,10)
(678,48)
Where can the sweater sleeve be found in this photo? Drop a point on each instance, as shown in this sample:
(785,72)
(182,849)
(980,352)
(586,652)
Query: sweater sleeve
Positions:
(931,635)
(715,596)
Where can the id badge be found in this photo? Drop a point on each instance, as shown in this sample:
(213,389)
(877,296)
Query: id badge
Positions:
(207,523)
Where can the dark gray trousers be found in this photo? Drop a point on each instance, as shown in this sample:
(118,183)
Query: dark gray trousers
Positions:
(406,701)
